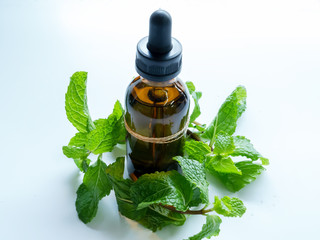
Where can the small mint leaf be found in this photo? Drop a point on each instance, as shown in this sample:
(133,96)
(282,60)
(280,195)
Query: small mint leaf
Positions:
(229,207)
(235,182)
(221,164)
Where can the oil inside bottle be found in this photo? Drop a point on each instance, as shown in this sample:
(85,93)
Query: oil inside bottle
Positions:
(155,110)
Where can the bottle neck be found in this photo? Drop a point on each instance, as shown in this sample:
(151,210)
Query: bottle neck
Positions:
(158,84)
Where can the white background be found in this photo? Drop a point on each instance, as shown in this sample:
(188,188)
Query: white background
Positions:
(271,47)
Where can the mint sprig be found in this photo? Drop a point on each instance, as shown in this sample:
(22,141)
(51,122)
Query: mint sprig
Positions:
(163,198)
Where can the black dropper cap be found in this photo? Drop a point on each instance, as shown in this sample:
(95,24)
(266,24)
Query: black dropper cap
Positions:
(159,55)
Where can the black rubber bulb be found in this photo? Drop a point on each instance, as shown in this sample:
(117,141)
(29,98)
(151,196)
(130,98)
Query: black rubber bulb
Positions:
(160,41)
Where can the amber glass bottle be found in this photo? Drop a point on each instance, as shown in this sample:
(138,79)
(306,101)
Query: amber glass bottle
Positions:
(155,110)
(157,102)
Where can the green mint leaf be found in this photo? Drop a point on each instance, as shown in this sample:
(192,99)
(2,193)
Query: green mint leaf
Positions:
(96,178)
(76,103)
(86,203)
(167,188)
(82,164)
(221,164)
(229,207)
(196,150)
(196,97)
(79,140)
(235,182)
(157,217)
(229,112)
(209,229)
(224,144)
(194,172)
(108,132)
(95,186)
(75,152)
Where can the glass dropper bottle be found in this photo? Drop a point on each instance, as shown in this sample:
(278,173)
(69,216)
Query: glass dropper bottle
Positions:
(157,102)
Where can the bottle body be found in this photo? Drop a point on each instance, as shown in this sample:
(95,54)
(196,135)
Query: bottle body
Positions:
(155,110)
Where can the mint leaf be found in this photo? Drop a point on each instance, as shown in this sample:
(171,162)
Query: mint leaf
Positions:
(229,112)
(235,182)
(195,173)
(224,144)
(221,164)
(168,188)
(243,147)
(79,140)
(196,150)
(76,103)
(108,132)
(209,229)
(196,97)
(157,217)
(229,207)
(75,152)
(96,178)
(95,186)
(86,203)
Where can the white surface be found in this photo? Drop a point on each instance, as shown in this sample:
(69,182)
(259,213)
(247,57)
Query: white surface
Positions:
(272,47)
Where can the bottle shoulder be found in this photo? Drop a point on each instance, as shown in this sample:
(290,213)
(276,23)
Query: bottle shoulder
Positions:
(153,94)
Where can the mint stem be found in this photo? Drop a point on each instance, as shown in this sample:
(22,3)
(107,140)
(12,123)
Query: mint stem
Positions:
(190,212)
